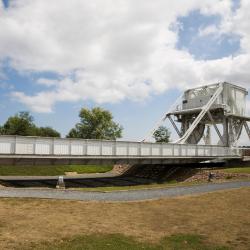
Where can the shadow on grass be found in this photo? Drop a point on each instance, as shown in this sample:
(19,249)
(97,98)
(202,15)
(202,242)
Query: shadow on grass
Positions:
(135,176)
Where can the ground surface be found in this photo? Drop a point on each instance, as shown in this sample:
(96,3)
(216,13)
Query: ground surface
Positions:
(121,242)
(241,170)
(220,218)
(51,170)
(131,195)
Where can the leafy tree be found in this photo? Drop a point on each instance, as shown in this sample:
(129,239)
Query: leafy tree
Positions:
(1,130)
(162,134)
(23,124)
(47,132)
(96,123)
(19,124)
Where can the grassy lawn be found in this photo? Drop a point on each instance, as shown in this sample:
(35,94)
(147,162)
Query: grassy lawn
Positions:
(237,170)
(218,220)
(116,241)
(52,170)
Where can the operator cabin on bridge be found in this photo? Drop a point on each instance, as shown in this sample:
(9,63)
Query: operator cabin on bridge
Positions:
(220,103)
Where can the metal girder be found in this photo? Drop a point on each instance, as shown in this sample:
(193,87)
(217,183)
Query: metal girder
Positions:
(247,128)
(215,126)
(240,130)
(207,137)
(204,110)
(174,125)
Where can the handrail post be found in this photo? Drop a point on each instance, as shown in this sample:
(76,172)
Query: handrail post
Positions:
(53,146)
(14,149)
(70,150)
(34,146)
(101,147)
(115,146)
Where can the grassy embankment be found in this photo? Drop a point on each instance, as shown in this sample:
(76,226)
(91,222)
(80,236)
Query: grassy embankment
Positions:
(237,170)
(173,183)
(80,169)
(218,220)
(52,170)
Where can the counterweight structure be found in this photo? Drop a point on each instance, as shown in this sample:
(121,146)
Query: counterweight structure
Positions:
(210,105)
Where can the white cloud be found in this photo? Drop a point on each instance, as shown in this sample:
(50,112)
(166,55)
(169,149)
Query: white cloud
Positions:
(42,102)
(47,82)
(107,51)
(208,30)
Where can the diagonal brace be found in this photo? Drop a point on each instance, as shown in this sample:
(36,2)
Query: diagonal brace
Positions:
(215,126)
(240,130)
(174,125)
(247,128)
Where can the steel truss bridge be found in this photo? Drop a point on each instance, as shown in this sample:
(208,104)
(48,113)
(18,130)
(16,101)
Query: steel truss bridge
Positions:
(37,150)
(200,108)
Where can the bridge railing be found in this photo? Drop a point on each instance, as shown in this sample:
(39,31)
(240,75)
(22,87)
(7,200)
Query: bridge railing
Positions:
(21,145)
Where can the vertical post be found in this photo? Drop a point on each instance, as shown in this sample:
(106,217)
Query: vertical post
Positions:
(14,148)
(101,147)
(53,146)
(69,147)
(139,148)
(225,132)
(114,149)
(86,147)
(34,146)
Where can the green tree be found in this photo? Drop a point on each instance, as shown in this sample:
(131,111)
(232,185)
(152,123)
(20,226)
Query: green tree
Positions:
(162,134)
(19,124)
(96,123)
(22,123)
(1,130)
(47,132)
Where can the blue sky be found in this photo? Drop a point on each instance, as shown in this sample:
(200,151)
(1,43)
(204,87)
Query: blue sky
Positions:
(130,64)
(137,118)
(205,47)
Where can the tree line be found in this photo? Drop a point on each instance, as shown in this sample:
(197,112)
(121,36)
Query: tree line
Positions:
(95,123)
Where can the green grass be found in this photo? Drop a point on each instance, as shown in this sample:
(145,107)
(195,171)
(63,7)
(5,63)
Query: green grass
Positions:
(138,187)
(237,170)
(52,170)
(114,242)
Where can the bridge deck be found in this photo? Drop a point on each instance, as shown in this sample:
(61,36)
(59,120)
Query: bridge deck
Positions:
(88,151)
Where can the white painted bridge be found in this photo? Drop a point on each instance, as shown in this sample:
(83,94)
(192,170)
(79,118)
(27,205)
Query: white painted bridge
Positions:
(38,150)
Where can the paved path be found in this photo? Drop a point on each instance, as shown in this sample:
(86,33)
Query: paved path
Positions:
(120,195)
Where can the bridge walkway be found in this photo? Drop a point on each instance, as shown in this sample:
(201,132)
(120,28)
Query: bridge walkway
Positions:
(21,150)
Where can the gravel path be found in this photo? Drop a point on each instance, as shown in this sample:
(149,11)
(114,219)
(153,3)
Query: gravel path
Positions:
(120,195)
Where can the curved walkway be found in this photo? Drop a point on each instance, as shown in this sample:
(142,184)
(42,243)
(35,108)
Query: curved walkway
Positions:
(120,195)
